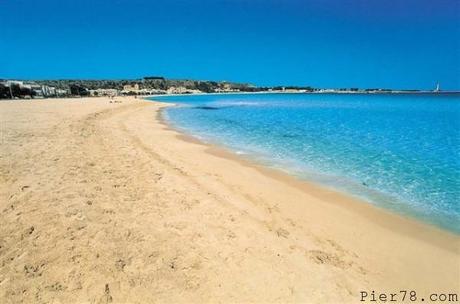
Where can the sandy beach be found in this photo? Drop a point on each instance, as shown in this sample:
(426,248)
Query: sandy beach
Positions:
(103,203)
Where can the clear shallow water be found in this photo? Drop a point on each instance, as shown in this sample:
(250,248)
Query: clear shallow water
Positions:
(400,152)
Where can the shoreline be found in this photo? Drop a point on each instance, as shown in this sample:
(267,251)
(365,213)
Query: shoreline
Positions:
(316,187)
(102,202)
(385,217)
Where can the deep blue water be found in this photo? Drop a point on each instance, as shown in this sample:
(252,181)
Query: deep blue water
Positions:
(400,152)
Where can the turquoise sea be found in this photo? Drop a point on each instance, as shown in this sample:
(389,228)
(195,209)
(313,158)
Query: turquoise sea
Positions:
(397,151)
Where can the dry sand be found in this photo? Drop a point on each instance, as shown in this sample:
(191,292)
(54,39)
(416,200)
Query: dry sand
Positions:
(100,202)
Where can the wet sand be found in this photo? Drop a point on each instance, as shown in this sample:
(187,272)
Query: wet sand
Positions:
(102,202)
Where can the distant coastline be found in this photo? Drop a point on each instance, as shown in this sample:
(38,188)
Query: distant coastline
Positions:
(156,85)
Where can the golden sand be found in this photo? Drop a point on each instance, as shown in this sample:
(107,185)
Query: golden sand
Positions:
(101,202)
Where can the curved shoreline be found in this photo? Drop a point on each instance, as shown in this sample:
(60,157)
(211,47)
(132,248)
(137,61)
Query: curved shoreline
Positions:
(389,241)
(308,186)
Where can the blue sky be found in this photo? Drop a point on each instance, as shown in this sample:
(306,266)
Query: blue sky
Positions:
(322,43)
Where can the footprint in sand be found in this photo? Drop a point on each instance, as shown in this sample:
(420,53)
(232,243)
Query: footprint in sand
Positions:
(322,257)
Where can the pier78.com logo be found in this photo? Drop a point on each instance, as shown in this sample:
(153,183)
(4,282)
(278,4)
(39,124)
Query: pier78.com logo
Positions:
(406,296)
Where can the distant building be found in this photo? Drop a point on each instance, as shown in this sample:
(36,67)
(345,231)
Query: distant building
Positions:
(182,90)
(36,90)
(131,87)
(62,92)
(48,91)
(13,82)
(21,89)
(103,92)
